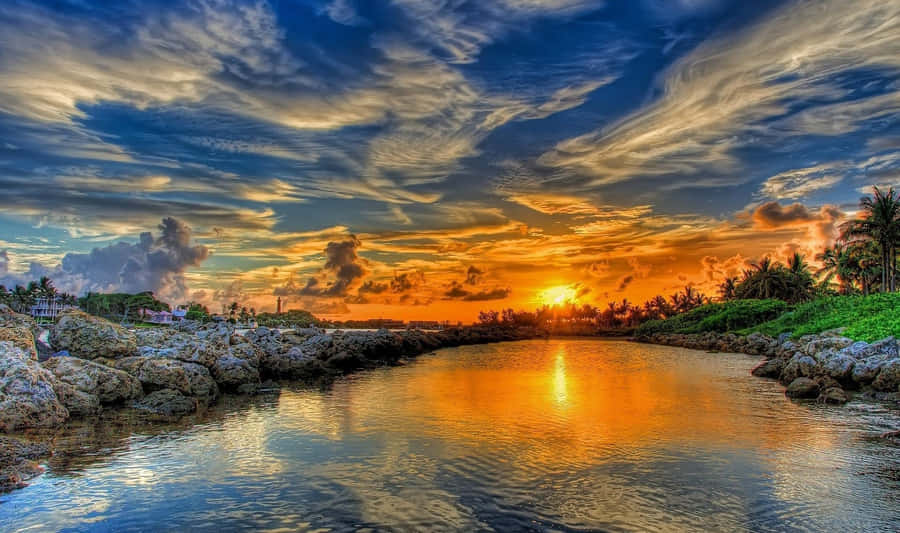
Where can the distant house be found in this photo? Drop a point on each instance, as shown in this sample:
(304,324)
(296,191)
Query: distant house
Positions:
(156,317)
(179,314)
(46,309)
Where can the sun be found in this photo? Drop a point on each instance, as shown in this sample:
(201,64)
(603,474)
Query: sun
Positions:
(558,295)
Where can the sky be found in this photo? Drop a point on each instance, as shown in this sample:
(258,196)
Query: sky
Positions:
(427,159)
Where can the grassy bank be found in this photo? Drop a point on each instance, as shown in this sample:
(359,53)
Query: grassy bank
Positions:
(866,318)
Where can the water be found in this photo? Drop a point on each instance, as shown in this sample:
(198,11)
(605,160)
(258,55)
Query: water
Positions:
(560,435)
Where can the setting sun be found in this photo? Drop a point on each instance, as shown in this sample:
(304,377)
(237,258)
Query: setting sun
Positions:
(557,295)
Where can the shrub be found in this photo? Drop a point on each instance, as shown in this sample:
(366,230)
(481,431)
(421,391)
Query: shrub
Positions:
(866,318)
(719,317)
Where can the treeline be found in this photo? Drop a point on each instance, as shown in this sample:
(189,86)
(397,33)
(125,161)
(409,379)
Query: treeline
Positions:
(120,306)
(863,260)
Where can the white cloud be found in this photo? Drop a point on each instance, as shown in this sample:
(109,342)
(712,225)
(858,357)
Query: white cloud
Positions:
(798,183)
(718,95)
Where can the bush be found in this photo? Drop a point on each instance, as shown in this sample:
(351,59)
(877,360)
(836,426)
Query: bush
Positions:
(866,318)
(718,317)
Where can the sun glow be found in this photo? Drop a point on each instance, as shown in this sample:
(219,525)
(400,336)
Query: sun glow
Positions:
(558,295)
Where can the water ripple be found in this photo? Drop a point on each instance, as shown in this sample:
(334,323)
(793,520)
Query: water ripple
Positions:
(559,435)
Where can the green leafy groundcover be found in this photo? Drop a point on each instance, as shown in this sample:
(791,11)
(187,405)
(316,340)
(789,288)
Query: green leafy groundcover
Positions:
(866,318)
(718,317)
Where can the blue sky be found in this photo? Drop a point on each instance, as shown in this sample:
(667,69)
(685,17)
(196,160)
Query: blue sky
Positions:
(622,148)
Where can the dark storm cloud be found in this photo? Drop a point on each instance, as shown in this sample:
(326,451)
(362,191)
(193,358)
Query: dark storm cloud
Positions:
(154,263)
(343,269)
(373,287)
(406,281)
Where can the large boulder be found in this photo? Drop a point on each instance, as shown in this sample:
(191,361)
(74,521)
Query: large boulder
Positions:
(802,388)
(231,373)
(770,368)
(826,343)
(839,367)
(248,352)
(90,337)
(109,385)
(884,349)
(294,362)
(77,402)
(799,365)
(888,379)
(865,371)
(156,373)
(18,329)
(27,394)
(382,345)
(166,403)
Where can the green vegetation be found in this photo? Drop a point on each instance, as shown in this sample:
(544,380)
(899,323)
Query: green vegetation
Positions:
(120,306)
(719,317)
(293,318)
(867,318)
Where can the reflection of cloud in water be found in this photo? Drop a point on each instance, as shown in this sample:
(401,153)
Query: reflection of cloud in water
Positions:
(541,434)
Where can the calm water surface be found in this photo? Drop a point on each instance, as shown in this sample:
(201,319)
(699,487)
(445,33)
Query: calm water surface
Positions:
(539,435)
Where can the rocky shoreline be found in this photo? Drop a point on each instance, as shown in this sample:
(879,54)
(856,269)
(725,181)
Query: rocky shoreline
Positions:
(827,367)
(90,366)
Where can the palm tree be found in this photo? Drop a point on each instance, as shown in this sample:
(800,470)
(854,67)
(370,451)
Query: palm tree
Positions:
(880,224)
(728,287)
(45,288)
(765,279)
(801,285)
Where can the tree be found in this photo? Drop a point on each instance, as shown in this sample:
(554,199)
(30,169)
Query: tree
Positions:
(728,288)
(880,223)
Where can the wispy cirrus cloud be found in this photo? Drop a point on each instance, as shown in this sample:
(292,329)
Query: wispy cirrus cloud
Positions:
(726,90)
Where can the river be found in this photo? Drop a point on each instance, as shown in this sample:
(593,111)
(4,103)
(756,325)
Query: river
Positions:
(561,434)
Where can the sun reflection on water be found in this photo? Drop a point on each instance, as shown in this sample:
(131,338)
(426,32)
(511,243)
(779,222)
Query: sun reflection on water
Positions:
(560,388)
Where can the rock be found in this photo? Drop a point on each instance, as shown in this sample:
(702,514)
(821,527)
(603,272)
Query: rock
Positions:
(27,395)
(865,371)
(19,329)
(884,349)
(318,346)
(308,332)
(248,352)
(248,388)
(345,362)
(154,374)
(109,385)
(802,388)
(834,395)
(799,366)
(166,403)
(219,333)
(18,462)
(857,350)
(77,402)
(231,373)
(826,342)
(839,367)
(770,368)
(783,338)
(294,362)
(89,337)
(888,379)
